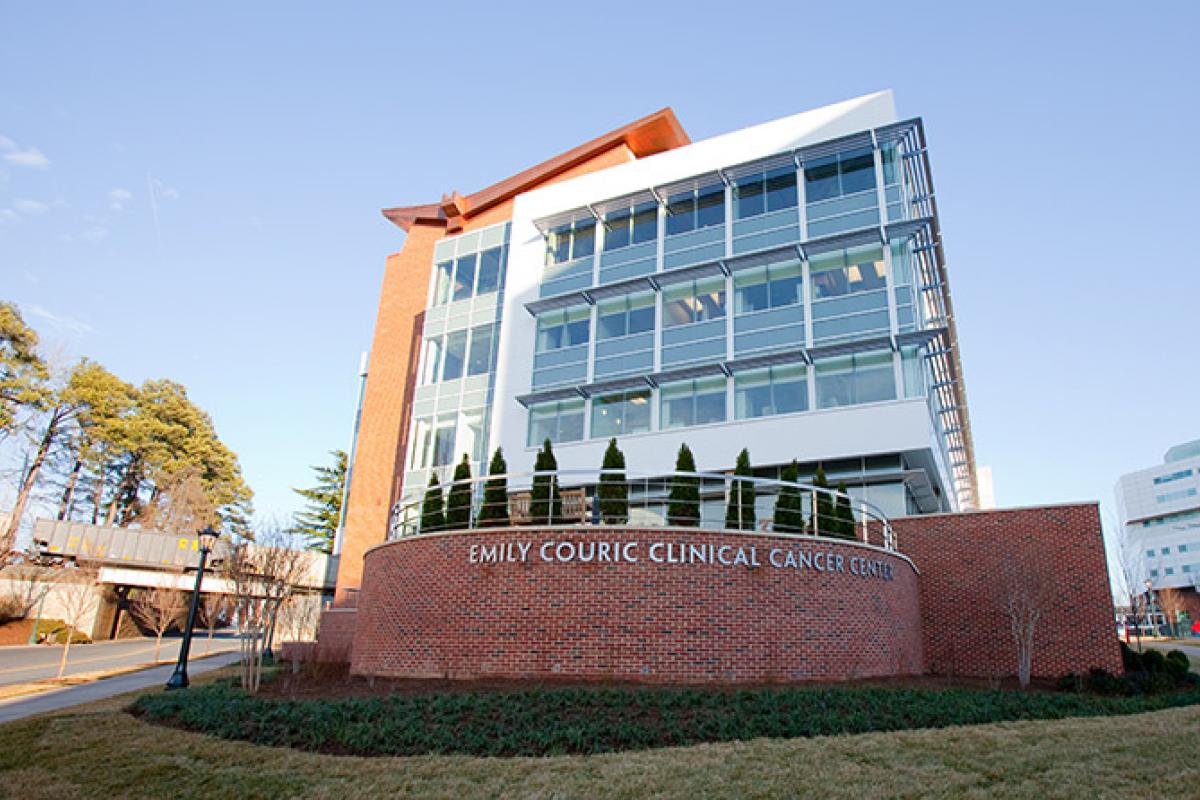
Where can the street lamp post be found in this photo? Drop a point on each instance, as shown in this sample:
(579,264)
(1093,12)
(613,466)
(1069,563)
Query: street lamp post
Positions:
(179,678)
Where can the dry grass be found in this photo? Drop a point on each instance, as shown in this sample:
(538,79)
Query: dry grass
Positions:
(100,751)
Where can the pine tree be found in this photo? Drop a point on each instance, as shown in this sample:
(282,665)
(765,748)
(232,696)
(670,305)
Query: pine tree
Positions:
(432,516)
(844,514)
(319,520)
(683,503)
(494,512)
(545,502)
(739,513)
(789,506)
(614,491)
(458,500)
(822,521)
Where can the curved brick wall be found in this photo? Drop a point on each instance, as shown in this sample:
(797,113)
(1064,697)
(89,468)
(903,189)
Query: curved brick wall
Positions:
(506,603)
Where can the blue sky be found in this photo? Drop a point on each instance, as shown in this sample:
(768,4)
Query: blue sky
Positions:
(193,192)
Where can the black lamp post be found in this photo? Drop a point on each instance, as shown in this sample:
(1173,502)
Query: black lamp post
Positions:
(179,678)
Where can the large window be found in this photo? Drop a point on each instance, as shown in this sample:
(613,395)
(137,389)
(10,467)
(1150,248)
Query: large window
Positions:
(558,421)
(445,275)
(694,301)
(837,175)
(621,413)
(630,226)
(443,441)
(860,269)
(479,358)
(697,402)
(571,241)
(775,390)
(433,360)
(489,270)
(464,277)
(559,329)
(764,192)
(860,378)
(766,287)
(695,209)
(624,316)
(455,356)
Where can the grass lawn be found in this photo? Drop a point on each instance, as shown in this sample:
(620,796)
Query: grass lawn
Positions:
(100,751)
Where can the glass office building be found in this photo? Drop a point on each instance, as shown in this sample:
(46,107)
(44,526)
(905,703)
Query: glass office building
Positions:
(1160,513)
(781,288)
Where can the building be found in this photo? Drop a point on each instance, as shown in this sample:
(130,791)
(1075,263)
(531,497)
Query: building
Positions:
(781,288)
(1160,516)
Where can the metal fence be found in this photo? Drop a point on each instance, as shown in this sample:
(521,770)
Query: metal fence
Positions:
(708,501)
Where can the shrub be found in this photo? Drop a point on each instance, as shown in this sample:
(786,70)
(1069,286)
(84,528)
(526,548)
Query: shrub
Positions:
(494,511)
(843,515)
(739,513)
(613,490)
(432,516)
(822,519)
(683,503)
(545,502)
(789,506)
(1131,659)
(1153,662)
(1176,665)
(11,609)
(458,499)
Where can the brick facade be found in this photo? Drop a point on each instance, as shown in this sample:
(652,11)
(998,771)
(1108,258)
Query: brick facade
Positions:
(426,611)
(968,563)
(336,636)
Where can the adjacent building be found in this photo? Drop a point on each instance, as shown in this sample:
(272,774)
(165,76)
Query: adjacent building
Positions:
(781,288)
(1160,514)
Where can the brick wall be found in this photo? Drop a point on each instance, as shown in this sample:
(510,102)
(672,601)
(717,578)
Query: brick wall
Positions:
(425,610)
(968,563)
(336,634)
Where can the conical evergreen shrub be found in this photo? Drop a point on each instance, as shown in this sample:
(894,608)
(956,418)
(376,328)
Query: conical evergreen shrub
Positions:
(739,513)
(789,506)
(432,516)
(494,511)
(844,514)
(614,490)
(458,499)
(822,522)
(545,503)
(683,503)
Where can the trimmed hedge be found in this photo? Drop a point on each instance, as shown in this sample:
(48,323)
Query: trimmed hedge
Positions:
(596,720)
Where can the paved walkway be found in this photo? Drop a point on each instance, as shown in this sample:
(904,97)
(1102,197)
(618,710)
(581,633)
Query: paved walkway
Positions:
(28,663)
(57,699)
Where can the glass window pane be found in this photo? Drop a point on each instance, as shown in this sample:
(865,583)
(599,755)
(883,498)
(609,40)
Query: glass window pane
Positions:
(606,416)
(781,189)
(610,325)
(480,360)
(433,357)
(422,439)
(710,401)
(710,299)
(789,390)
(752,394)
(752,293)
(641,319)
(585,239)
(456,351)
(710,206)
(858,171)
(645,223)
(550,333)
(570,421)
(489,270)
(558,245)
(677,305)
(749,199)
(464,277)
(617,233)
(578,325)
(442,293)
(681,214)
(637,412)
(443,442)
(821,179)
(785,285)
(676,410)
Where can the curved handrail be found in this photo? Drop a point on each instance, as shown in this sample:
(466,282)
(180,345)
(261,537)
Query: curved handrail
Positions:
(822,511)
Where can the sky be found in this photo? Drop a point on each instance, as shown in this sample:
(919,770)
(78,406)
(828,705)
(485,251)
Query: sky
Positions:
(193,191)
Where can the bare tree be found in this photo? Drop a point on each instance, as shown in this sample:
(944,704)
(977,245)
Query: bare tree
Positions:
(1025,593)
(216,606)
(158,609)
(28,586)
(1171,602)
(298,620)
(264,574)
(78,598)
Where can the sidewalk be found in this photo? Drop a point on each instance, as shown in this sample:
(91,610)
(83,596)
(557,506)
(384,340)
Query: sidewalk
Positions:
(58,699)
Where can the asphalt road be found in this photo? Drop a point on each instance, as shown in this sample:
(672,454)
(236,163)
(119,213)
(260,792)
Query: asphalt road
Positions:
(35,662)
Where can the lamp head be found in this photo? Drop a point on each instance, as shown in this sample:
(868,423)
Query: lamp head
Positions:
(208,537)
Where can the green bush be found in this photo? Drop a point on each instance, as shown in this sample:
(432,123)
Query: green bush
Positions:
(1176,665)
(593,720)
(1153,662)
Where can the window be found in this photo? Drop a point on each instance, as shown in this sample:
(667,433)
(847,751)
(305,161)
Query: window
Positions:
(422,439)
(1179,495)
(456,353)
(764,192)
(479,361)
(1153,573)
(433,358)
(443,441)
(441,294)
(1150,554)
(621,413)
(625,316)
(559,421)
(697,402)
(1166,551)
(766,287)
(464,277)
(777,390)
(694,301)
(559,329)
(847,272)
(1169,571)
(860,378)
(841,174)
(887,157)
(631,226)
(1183,548)
(571,241)
(489,270)
(695,209)
(1174,476)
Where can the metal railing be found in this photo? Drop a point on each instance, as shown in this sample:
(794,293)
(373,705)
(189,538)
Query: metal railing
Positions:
(707,501)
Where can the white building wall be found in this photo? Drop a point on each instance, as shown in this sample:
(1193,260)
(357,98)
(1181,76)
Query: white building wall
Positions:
(1162,523)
